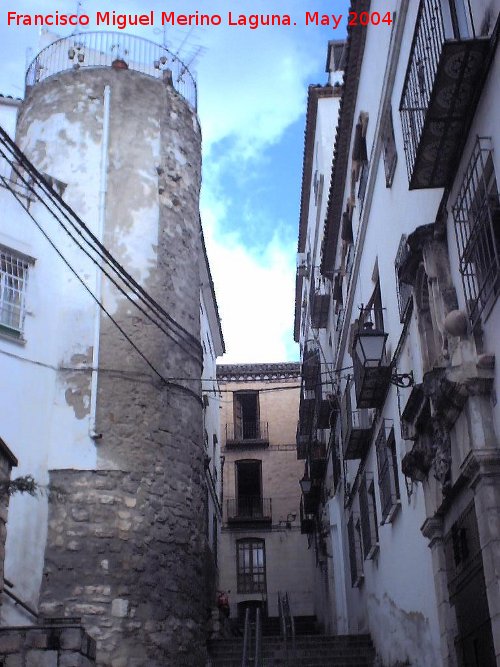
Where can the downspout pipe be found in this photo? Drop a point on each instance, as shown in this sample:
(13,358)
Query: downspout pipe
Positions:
(101,218)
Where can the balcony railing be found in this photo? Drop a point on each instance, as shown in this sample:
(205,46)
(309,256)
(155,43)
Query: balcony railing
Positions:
(249,509)
(441,84)
(320,303)
(247,433)
(357,428)
(311,369)
(302,440)
(317,460)
(306,520)
(102,49)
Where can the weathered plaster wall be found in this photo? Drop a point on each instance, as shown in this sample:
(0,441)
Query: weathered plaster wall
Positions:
(127,536)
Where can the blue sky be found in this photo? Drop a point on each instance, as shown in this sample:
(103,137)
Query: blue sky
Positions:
(252,87)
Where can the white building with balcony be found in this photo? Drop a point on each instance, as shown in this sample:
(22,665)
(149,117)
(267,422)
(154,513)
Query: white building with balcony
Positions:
(408,510)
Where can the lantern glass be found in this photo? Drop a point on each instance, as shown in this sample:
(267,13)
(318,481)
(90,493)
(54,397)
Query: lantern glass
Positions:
(370,347)
(305,485)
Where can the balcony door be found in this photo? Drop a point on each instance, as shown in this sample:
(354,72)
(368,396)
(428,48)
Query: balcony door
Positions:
(249,488)
(246,415)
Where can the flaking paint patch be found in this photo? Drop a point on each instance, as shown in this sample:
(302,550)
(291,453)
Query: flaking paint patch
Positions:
(78,383)
(401,635)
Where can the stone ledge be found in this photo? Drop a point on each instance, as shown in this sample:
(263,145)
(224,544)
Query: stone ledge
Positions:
(61,643)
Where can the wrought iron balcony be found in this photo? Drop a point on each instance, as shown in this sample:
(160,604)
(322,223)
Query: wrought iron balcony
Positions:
(311,369)
(320,303)
(357,428)
(306,520)
(302,443)
(247,433)
(312,499)
(306,415)
(249,509)
(444,73)
(317,460)
(110,49)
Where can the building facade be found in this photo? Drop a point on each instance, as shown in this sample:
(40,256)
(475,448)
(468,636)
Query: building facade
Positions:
(263,553)
(108,343)
(407,254)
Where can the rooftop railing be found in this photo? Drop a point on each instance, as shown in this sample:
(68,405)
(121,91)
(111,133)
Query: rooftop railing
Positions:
(106,49)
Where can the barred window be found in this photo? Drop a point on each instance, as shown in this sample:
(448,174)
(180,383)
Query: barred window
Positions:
(476,215)
(355,553)
(13,282)
(251,566)
(368,516)
(388,479)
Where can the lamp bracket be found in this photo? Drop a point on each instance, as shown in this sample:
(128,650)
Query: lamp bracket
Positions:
(403,380)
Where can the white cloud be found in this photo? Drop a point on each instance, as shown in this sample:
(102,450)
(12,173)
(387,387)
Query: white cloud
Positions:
(255,293)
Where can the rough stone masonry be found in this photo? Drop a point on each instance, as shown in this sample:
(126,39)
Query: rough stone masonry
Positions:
(126,545)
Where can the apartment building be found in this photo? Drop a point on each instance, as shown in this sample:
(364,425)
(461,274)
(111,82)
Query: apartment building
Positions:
(397,317)
(263,553)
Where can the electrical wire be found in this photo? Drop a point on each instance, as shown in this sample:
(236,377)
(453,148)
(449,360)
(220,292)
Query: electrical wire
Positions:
(29,185)
(78,225)
(101,306)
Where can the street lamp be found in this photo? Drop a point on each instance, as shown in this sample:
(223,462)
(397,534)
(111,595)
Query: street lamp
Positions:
(305,484)
(370,346)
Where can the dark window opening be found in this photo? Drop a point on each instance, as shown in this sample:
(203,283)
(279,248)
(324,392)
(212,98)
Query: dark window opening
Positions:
(249,489)
(246,415)
(388,478)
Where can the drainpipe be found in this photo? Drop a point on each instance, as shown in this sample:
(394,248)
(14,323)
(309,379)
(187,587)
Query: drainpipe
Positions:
(103,188)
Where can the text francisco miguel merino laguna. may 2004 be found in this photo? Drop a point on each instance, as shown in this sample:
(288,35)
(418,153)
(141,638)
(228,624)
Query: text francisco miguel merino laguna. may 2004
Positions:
(120,21)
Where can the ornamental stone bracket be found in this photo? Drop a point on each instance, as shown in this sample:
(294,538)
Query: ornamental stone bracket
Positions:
(430,413)
(432,529)
(480,464)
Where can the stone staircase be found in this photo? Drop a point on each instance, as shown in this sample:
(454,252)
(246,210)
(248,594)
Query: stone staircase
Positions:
(307,651)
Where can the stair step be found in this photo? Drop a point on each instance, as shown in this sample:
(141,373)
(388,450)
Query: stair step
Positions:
(306,651)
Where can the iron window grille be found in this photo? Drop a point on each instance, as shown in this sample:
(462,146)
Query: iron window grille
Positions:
(13,284)
(388,479)
(368,516)
(355,551)
(251,566)
(476,215)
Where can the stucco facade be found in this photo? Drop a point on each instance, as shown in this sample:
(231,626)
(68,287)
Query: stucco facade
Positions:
(261,494)
(411,524)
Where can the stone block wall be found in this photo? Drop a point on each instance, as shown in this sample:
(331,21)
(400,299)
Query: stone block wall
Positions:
(54,645)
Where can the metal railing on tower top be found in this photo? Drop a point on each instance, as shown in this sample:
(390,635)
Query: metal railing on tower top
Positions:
(102,49)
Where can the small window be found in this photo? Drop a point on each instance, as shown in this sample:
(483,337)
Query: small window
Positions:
(13,283)
(355,552)
(390,153)
(368,516)
(251,566)
(388,479)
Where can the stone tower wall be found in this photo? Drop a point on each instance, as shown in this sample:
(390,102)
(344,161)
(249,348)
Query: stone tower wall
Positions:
(126,543)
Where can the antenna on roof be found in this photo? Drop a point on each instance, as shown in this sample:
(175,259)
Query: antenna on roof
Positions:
(186,52)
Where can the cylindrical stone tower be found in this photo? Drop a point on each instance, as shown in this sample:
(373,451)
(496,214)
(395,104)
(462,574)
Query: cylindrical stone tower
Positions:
(126,538)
